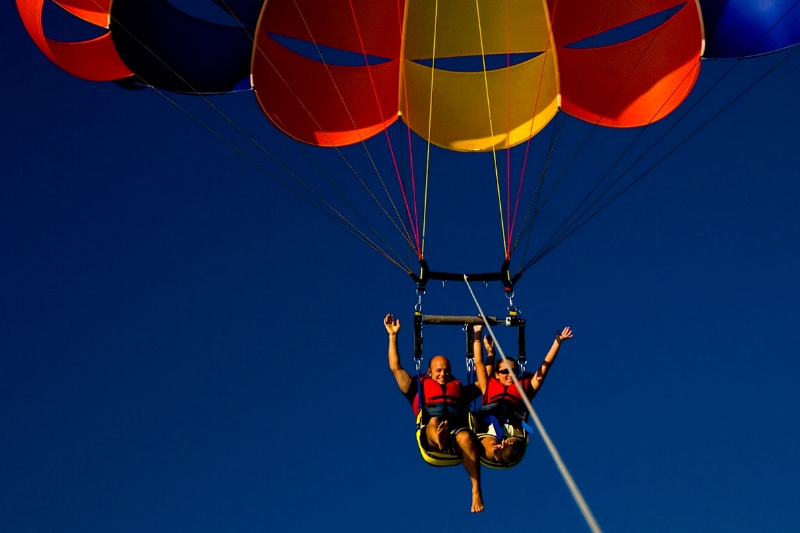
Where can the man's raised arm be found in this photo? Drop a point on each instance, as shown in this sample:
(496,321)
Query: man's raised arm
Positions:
(477,351)
(400,375)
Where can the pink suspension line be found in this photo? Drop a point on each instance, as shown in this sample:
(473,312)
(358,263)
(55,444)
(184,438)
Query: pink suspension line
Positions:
(413,221)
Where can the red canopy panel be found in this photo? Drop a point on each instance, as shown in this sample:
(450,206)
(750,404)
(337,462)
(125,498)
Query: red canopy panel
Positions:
(94,60)
(324,104)
(319,104)
(331,23)
(575,20)
(632,83)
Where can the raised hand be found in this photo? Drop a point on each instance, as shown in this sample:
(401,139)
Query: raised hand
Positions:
(392,325)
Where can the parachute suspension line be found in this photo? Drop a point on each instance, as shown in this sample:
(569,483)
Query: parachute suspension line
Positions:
(537,192)
(343,158)
(491,131)
(421,247)
(555,240)
(530,140)
(309,156)
(670,152)
(508,129)
(401,7)
(230,12)
(556,132)
(544,251)
(383,120)
(556,135)
(577,152)
(346,199)
(573,487)
(348,225)
(347,163)
(404,177)
(430,122)
(404,231)
(343,222)
(556,236)
(549,245)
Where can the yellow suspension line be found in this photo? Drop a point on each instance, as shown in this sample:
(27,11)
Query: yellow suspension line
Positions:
(430,117)
(491,132)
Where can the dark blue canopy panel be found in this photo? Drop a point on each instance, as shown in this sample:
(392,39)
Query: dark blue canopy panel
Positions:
(245,11)
(168,49)
(738,28)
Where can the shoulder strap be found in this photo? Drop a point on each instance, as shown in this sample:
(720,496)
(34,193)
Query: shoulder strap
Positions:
(419,389)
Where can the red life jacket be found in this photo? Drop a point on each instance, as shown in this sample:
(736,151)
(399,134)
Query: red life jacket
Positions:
(507,399)
(434,394)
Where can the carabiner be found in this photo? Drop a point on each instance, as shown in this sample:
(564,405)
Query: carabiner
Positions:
(511,307)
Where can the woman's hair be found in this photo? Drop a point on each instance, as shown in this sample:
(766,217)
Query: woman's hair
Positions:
(510,360)
(512,454)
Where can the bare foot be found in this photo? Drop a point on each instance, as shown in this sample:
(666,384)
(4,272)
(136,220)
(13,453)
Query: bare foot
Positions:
(477,501)
(441,435)
(510,451)
(497,451)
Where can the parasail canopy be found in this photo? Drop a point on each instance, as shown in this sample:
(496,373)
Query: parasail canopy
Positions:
(623,63)
(465,76)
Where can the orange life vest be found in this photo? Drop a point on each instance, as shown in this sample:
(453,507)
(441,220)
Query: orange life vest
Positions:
(441,399)
(505,399)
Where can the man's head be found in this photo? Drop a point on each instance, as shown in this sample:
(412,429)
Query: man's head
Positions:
(439,369)
(504,370)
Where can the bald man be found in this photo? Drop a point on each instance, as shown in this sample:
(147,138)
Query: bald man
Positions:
(443,407)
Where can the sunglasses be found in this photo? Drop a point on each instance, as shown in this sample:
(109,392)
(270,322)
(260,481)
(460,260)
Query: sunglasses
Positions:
(504,371)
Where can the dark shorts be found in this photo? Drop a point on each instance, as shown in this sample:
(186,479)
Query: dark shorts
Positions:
(449,457)
(457,421)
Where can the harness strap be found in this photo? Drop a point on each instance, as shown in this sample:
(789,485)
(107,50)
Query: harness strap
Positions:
(495,423)
(527,427)
(419,389)
(447,399)
(471,364)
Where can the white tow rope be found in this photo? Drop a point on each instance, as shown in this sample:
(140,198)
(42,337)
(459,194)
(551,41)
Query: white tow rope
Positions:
(573,488)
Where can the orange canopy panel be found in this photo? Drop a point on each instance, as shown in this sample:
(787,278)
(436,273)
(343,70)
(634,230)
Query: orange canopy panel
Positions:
(94,60)
(92,11)
(631,83)
(318,102)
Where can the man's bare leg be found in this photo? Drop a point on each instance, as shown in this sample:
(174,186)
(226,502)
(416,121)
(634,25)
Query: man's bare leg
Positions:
(438,433)
(469,456)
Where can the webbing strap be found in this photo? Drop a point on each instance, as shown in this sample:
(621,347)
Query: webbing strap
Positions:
(498,429)
(419,390)
(527,427)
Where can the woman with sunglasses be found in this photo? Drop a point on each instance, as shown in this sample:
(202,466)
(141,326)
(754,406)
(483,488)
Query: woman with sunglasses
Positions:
(500,430)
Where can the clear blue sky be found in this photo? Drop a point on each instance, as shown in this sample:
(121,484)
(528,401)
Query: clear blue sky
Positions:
(184,346)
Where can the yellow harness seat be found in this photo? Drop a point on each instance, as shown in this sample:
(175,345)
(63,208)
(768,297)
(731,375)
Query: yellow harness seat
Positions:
(512,433)
(449,457)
